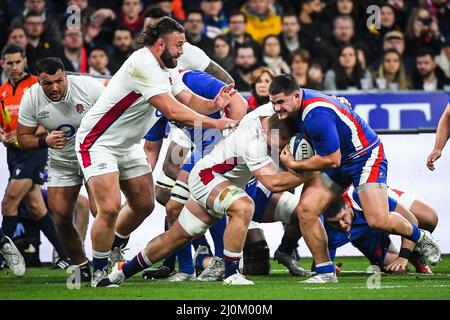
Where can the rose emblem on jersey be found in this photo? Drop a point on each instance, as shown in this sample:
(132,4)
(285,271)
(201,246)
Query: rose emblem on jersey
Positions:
(80,108)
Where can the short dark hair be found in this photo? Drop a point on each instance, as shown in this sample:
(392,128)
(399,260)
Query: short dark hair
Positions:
(97,48)
(287,128)
(195,11)
(49,65)
(11,49)
(155,13)
(33,14)
(425,51)
(335,207)
(160,29)
(283,83)
(237,13)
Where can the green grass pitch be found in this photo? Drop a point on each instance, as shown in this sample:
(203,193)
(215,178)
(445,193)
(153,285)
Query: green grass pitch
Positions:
(47,284)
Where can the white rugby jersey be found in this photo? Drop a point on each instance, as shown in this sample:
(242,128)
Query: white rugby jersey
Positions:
(193,58)
(243,151)
(65,115)
(122,116)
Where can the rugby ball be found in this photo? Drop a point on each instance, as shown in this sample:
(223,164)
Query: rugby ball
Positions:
(300,148)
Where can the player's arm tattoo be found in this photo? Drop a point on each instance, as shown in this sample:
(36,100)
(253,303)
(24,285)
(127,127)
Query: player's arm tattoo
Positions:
(217,71)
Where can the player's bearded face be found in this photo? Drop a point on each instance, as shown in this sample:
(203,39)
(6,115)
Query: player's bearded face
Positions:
(54,86)
(168,60)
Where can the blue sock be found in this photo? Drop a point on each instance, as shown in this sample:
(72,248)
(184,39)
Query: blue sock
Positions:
(9,225)
(326,267)
(231,262)
(185,262)
(48,228)
(287,245)
(100,260)
(120,241)
(217,230)
(3,239)
(415,234)
(138,263)
(200,241)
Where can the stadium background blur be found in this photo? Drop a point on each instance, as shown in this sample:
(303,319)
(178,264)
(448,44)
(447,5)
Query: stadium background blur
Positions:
(334,45)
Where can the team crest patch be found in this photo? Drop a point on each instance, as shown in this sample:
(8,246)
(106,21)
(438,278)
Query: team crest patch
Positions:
(80,108)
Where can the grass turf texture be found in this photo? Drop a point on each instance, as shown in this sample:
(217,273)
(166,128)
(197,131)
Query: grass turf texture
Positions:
(47,284)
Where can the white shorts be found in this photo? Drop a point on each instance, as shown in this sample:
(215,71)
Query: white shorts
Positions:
(130,163)
(64,173)
(200,190)
(180,137)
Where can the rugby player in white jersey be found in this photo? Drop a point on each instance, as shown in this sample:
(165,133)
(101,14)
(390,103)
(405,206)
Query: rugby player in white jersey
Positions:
(216,184)
(58,103)
(108,140)
(193,58)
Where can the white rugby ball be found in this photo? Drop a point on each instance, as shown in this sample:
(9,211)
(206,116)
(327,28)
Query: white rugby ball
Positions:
(300,148)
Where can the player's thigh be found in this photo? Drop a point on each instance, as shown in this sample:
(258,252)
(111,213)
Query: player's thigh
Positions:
(315,197)
(15,191)
(139,191)
(62,200)
(106,191)
(92,202)
(194,219)
(374,202)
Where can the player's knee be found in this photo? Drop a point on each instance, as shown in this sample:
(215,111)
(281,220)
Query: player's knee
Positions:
(9,202)
(431,220)
(247,207)
(305,212)
(173,210)
(192,225)
(377,222)
(62,221)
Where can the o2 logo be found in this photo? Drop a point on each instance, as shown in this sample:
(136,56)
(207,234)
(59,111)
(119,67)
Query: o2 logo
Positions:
(158,113)
(68,130)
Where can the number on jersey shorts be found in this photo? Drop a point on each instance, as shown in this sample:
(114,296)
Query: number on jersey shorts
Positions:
(130,163)
(370,167)
(64,173)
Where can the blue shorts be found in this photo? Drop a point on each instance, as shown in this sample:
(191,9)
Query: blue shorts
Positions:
(27,164)
(374,245)
(260,197)
(369,167)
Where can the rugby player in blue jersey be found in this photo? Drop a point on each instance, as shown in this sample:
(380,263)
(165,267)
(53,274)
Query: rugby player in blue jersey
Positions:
(348,152)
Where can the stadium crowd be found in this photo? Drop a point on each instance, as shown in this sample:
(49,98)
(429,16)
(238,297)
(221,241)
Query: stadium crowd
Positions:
(323,45)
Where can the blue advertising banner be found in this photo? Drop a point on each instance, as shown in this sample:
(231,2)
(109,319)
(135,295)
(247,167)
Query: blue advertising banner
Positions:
(395,111)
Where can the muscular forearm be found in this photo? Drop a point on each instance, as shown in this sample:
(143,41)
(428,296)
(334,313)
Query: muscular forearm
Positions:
(28,141)
(217,71)
(315,163)
(202,105)
(284,181)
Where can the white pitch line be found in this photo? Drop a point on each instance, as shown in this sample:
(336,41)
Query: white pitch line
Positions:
(364,272)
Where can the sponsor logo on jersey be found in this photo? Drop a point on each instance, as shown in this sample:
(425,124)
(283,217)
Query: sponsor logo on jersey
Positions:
(43,114)
(17,172)
(102,165)
(80,108)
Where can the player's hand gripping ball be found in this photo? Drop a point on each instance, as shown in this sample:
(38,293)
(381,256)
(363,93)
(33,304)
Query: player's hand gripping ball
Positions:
(300,148)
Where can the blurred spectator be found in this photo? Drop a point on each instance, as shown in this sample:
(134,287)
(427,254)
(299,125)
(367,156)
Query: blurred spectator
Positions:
(346,8)
(391,72)
(98,62)
(260,81)
(131,16)
(222,53)
(401,9)
(215,21)
(347,73)
(428,76)
(173,7)
(311,27)
(73,54)
(237,34)
(387,23)
(261,19)
(316,75)
(443,59)
(289,37)
(343,35)
(34,28)
(51,30)
(87,12)
(120,50)
(272,55)
(195,26)
(245,62)
(153,14)
(422,31)
(17,35)
(300,63)
(441,11)
(99,28)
